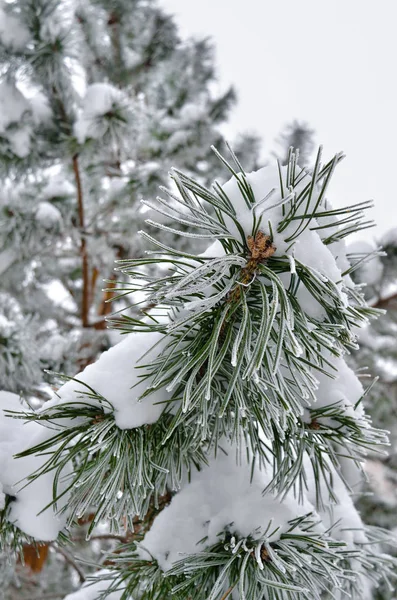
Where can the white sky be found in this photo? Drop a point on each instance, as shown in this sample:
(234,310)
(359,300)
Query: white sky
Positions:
(332,64)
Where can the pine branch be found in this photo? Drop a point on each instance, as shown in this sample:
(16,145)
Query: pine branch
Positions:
(244,359)
(115,464)
(303,563)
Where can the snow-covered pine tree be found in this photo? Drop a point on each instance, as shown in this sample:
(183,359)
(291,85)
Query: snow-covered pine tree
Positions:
(222,438)
(97,99)
(376,357)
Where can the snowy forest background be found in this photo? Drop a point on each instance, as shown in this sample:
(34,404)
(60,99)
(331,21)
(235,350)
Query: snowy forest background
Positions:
(98,100)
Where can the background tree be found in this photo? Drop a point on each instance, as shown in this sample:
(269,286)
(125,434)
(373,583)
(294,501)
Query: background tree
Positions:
(97,100)
(377,358)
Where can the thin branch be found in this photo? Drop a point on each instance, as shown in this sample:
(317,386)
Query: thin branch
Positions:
(70,560)
(83,245)
(114,24)
(80,206)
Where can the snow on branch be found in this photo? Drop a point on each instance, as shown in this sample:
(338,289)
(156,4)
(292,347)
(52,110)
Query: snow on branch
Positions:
(232,396)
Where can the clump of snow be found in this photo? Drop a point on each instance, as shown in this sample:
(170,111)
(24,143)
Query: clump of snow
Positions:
(16,436)
(178,140)
(15,112)
(57,187)
(100,99)
(6,326)
(42,112)
(131,58)
(13,33)
(168,124)
(224,496)
(117,377)
(149,168)
(53,348)
(192,112)
(58,294)
(92,590)
(308,248)
(219,497)
(20,141)
(115,187)
(48,215)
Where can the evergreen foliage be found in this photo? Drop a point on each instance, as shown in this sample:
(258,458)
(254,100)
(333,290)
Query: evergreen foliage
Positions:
(223,437)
